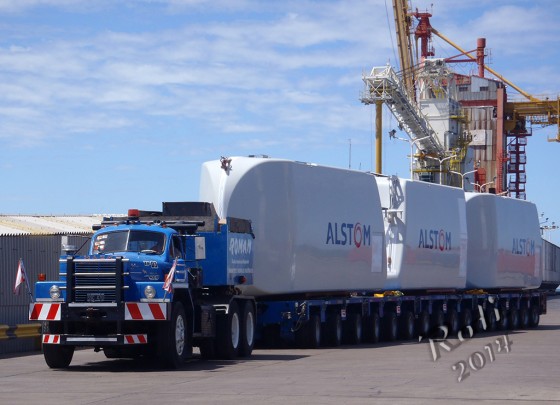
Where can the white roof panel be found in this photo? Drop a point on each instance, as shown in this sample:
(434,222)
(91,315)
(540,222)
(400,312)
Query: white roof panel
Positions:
(47,225)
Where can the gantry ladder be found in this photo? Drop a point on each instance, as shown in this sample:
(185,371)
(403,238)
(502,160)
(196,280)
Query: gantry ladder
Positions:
(383,84)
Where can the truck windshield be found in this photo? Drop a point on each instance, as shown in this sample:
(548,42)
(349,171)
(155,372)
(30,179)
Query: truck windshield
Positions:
(129,241)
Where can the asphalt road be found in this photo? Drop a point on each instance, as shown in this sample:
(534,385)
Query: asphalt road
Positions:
(524,370)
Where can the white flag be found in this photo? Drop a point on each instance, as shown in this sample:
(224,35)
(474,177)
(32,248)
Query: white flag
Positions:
(20,277)
(169,278)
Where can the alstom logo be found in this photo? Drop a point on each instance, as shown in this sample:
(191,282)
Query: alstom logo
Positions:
(523,247)
(346,234)
(434,239)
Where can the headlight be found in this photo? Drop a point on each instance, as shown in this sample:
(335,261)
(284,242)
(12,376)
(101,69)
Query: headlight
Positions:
(149,292)
(54,291)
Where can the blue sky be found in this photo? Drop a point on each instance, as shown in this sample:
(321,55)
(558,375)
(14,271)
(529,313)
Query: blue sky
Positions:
(108,105)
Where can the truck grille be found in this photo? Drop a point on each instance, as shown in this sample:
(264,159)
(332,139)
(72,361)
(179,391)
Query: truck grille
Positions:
(95,280)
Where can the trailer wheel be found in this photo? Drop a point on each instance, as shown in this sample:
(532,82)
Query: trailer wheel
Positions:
(333,329)
(438,319)
(248,325)
(423,324)
(453,322)
(503,323)
(353,329)
(490,316)
(228,333)
(372,329)
(466,323)
(407,325)
(390,326)
(513,319)
(523,318)
(173,345)
(56,356)
(309,335)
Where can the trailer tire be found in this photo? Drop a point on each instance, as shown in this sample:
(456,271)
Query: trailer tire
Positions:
(407,326)
(372,328)
(228,333)
(423,324)
(453,322)
(466,323)
(309,335)
(534,317)
(438,321)
(513,319)
(333,329)
(503,323)
(491,323)
(173,344)
(523,318)
(390,326)
(56,356)
(353,329)
(248,325)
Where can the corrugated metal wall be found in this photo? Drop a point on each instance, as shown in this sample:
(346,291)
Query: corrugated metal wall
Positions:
(40,254)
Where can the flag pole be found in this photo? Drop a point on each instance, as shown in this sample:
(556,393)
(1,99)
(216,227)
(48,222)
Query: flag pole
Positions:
(24,272)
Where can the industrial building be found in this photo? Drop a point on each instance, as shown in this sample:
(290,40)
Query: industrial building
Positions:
(37,240)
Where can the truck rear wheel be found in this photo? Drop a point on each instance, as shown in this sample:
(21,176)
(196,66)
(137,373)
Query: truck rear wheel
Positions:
(228,333)
(56,356)
(174,344)
(248,326)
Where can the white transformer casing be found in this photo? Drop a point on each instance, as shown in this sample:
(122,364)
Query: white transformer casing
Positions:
(505,244)
(425,235)
(317,229)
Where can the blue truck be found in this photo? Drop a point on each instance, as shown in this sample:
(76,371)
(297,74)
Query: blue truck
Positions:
(153,284)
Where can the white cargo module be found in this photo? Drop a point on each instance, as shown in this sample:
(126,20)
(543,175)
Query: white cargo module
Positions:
(317,229)
(426,235)
(505,244)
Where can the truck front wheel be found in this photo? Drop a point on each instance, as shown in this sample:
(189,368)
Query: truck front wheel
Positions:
(173,345)
(56,356)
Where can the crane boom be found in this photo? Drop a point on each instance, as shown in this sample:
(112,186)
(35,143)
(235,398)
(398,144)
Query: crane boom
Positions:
(402,25)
